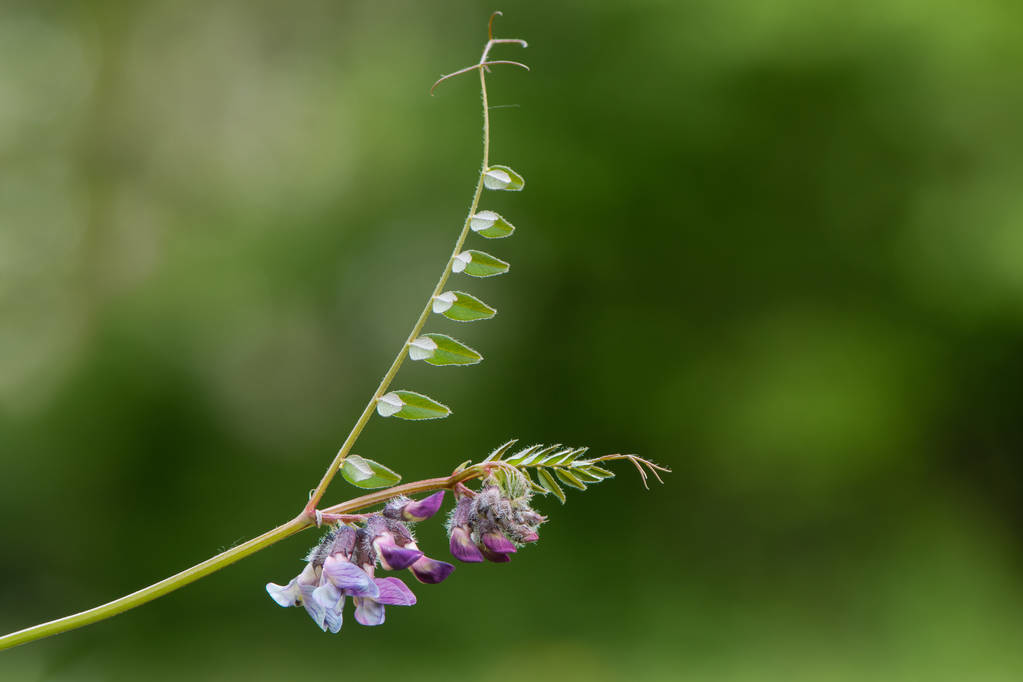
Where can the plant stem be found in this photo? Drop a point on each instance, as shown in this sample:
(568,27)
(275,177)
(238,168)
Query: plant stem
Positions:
(367,412)
(307,518)
(215,563)
(155,590)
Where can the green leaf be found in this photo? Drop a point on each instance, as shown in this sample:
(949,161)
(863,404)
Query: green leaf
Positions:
(478,264)
(585,476)
(499,452)
(462,307)
(561,457)
(490,225)
(503,177)
(440,349)
(521,455)
(600,471)
(548,482)
(410,405)
(365,473)
(570,479)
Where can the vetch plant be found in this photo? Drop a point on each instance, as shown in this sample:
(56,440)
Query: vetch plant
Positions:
(488,523)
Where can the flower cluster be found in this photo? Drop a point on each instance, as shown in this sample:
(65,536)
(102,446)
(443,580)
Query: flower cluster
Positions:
(493,523)
(344,562)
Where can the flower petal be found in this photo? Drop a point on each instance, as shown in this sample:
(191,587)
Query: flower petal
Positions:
(497,542)
(327,595)
(369,611)
(395,592)
(285,595)
(431,571)
(423,509)
(313,607)
(496,557)
(348,577)
(395,558)
(463,548)
(334,617)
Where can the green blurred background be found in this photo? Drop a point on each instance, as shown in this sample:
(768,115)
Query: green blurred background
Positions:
(775,245)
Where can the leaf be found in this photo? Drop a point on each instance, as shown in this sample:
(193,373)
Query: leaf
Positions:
(440,349)
(585,476)
(478,264)
(548,482)
(568,478)
(410,405)
(530,455)
(560,457)
(490,225)
(365,473)
(503,177)
(600,471)
(499,452)
(463,307)
(522,454)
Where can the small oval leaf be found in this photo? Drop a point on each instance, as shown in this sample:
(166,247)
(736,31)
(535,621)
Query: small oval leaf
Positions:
(446,351)
(478,264)
(464,307)
(490,225)
(569,479)
(410,405)
(499,452)
(548,482)
(503,177)
(365,473)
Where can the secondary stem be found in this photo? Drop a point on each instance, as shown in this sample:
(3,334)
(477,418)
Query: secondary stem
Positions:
(367,412)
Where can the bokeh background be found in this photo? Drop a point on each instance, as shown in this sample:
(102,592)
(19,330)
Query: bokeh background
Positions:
(776,246)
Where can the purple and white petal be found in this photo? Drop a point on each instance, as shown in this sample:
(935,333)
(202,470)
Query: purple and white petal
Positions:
(333,618)
(313,607)
(394,592)
(431,571)
(285,595)
(463,548)
(369,611)
(423,509)
(395,558)
(348,577)
(328,595)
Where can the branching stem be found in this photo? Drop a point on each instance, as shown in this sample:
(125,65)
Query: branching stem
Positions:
(311,516)
(367,412)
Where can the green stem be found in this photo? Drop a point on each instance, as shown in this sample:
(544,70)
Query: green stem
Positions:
(155,590)
(307,518)
(367,412)
(189,575)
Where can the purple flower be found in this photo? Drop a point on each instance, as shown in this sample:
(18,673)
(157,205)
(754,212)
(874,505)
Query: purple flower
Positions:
(369,610)
(491,525)
(330,575)
(402,508)
(394,557)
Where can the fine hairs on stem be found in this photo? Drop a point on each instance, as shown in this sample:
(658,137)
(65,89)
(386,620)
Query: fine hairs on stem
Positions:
(489,523)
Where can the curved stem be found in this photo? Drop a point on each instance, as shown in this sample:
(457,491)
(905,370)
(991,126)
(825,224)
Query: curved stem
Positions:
(155,590)
(308,517)
(215,563)
(367,412)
